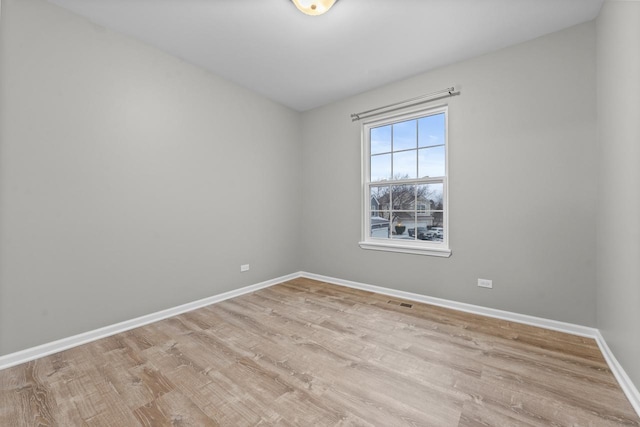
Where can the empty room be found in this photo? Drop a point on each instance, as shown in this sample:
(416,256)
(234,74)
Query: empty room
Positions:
(319,213)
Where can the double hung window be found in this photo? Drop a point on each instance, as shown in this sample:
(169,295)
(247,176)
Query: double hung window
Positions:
(405,197)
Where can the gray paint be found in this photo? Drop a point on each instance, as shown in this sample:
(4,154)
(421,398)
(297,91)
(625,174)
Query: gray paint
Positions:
(523,162)
(130,180)
(618,29)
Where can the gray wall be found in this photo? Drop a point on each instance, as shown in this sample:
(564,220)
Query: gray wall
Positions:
(129,181)
(523,166)
(618,28)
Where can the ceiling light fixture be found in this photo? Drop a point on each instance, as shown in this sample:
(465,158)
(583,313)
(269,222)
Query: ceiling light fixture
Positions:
(313,7)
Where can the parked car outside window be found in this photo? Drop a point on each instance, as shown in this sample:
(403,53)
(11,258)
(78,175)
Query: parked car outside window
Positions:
(420,230)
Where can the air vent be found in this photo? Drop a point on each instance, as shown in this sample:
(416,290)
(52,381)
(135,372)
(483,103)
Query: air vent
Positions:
(401,304)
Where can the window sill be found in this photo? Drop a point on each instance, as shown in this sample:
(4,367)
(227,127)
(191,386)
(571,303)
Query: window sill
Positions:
(407,249)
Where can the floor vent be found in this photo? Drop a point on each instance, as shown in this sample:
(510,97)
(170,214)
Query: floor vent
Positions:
(401,304)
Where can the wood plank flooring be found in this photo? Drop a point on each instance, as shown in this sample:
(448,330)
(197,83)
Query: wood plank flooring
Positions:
(306,353)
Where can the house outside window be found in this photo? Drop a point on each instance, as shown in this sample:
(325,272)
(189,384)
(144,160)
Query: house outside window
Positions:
(405,195)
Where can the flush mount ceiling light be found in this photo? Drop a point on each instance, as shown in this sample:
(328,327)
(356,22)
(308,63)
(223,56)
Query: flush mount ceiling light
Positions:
(313,7)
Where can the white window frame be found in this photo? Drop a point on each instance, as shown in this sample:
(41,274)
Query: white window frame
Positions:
(420,247)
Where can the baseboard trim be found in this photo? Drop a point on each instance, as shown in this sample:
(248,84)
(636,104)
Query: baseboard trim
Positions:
(627,386)
(47,349)
(555,325)
(625,382)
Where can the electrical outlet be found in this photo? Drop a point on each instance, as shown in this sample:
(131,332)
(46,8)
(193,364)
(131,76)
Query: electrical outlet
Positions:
(484,283)
(244,267)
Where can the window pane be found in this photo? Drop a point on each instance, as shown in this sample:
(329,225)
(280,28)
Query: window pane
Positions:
(437,231)
(401,222)
(404,165)
(380,167)
(404,135)
(379,198)
(403,197)
(424,207)
(424,218)
(431,130)
(411,223)
(431,162)
(381,140)
(430,220)
(380,224)
(433,195)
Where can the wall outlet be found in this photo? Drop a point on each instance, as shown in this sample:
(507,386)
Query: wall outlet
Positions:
(244,267)
(484,283)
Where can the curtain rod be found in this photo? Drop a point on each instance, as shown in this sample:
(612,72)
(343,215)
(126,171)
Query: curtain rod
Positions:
(443,93)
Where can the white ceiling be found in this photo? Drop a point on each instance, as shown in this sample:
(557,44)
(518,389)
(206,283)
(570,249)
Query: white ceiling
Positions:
(305,62)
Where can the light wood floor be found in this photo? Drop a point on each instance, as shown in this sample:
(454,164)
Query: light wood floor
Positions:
(311,354)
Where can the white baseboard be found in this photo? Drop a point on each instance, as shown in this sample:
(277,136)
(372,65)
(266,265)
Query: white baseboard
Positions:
(554,325)
(627,386)
(43,350)
(32,353)
(625,382)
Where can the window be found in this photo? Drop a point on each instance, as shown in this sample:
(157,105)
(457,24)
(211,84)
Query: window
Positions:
(405,183)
